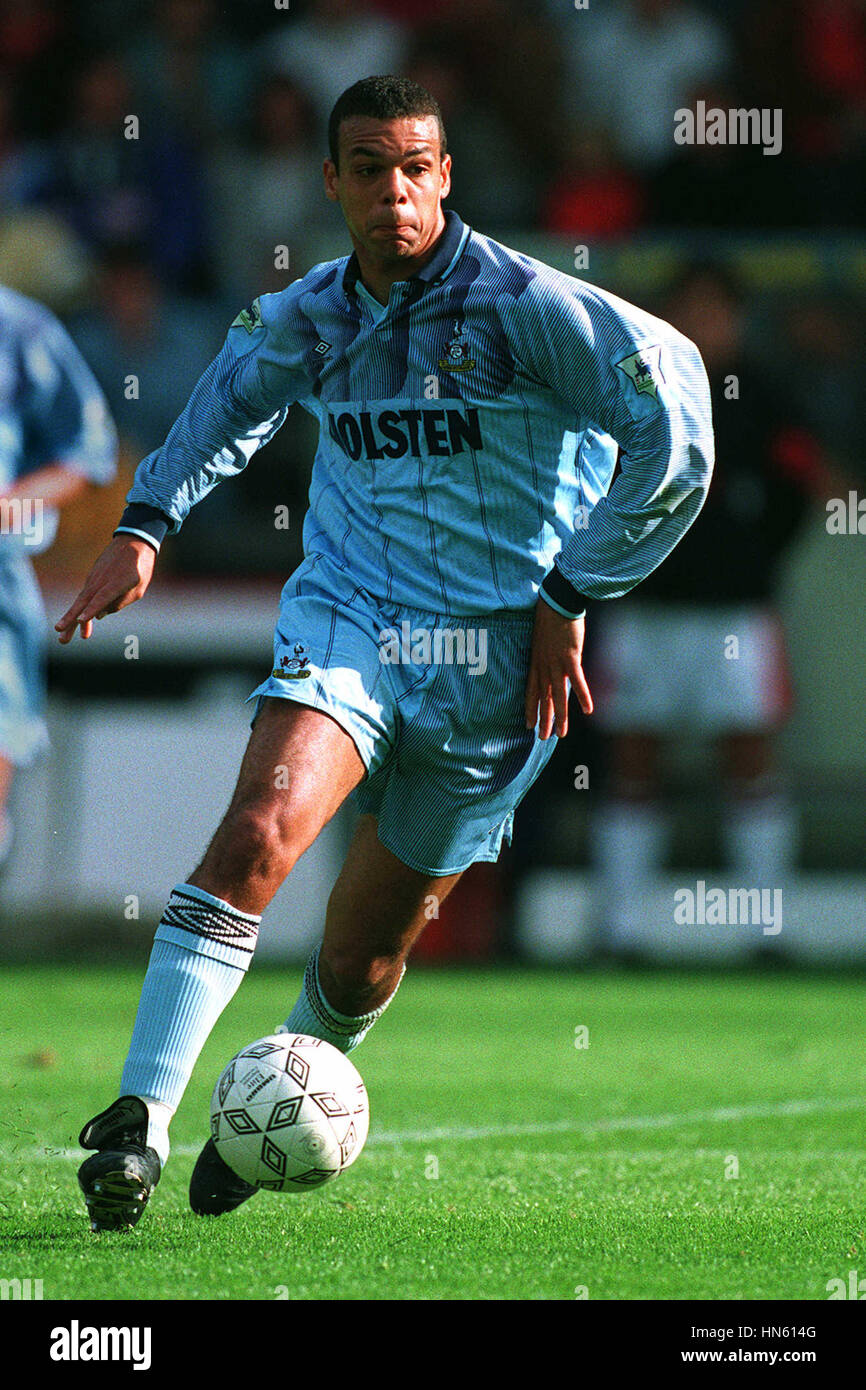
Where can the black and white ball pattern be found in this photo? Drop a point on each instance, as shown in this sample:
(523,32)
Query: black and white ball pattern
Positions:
(289,1113)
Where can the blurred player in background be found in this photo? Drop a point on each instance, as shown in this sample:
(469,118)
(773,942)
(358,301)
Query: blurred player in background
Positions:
(700,649)
(469,399)
(56,435)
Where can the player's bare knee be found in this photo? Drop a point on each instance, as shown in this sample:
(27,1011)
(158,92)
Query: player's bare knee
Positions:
(259,841)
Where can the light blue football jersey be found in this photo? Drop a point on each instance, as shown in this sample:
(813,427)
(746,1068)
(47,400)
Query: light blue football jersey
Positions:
(495,416)
(51,411)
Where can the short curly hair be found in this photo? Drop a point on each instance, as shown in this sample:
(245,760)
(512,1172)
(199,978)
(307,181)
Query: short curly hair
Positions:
(383,98)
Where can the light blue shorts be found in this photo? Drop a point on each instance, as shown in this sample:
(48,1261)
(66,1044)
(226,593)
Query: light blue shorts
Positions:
(434,705)
(23,734)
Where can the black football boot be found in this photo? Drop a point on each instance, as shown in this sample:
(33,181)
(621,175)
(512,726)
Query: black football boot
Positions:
(213,1187)
(118,1179)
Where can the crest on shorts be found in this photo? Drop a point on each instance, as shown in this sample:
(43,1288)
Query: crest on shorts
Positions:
(295,667)
(456,357)
(643,370)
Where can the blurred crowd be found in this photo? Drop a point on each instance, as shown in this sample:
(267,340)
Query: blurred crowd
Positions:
(154,153)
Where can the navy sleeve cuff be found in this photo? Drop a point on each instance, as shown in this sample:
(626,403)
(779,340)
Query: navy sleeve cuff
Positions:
(147,522)
(563,596)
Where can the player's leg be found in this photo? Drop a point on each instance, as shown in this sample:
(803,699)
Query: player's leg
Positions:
(7,773)
(629,834)
(465,760)
(634,765)
(759,828)
(760,824)
(298,768)
(23,733)
(747,757)
(377,910)
(640,673)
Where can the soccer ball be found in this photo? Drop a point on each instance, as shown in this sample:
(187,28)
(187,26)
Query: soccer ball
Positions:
(289,1113)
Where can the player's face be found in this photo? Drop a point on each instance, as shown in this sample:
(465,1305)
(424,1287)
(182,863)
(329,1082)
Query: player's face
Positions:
(390,185)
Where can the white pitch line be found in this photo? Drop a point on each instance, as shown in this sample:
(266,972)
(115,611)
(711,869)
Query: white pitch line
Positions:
(614,1123)
(624,1122)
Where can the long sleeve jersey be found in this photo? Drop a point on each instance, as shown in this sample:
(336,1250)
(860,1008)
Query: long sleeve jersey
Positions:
(469,430)
(51,412)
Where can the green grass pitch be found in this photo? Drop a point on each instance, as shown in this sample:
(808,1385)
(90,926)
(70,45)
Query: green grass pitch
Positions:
(541,1135)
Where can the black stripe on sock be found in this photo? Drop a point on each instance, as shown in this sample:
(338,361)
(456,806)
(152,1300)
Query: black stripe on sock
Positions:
(219,924)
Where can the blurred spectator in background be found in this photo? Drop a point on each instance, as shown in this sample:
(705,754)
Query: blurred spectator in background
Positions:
(146,347)
(632,64)
(41,257)
(40,254)
(512,77)
(810,60)
(266,191)
(718,186)
(699,648)
(39,47)
(25,165)
(492,184)
(594,195)
(333,45)
(188,74)
(410,12)
(120,182)
(100,179)
(55,435)
(560,120)
(143,343)
(823,341)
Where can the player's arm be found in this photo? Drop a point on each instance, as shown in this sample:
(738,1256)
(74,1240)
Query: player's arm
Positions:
(644,384)
(238,404)
(639,381)
(71,439)
(54,485)
(70,436)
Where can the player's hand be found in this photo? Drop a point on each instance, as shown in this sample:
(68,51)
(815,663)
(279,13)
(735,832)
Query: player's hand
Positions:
(119,577)
(555,663)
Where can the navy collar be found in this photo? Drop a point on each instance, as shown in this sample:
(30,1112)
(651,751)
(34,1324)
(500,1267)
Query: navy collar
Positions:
(449,244)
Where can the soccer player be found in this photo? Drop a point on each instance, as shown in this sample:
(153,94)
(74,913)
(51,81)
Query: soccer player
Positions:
(473,404)
(55,435)
(665,658)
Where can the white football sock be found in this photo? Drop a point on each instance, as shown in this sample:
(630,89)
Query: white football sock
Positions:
(761,839)
(201,952)
(158,1118)
(314,1016)
(629,841)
